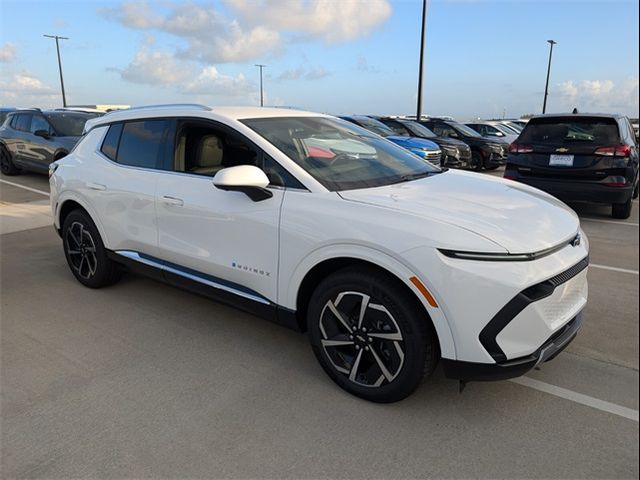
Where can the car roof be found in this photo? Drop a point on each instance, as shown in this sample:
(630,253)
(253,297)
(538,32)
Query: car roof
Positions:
(578,115)
(202,111)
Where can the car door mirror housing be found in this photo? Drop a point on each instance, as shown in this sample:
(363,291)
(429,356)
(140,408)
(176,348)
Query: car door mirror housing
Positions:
(247,179)
(42,133)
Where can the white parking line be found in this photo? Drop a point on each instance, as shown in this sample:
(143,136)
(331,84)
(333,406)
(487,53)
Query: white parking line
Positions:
(578,398)
(24,187)
(614,269)
(613,222)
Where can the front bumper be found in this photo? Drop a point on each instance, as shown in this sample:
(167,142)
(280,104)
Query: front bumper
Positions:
(469,371)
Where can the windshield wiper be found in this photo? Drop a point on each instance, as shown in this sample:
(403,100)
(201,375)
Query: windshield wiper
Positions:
(414,176)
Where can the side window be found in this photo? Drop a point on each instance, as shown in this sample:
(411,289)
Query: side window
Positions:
(23,123)
(203,149)
(141,144)
(14,121)
(111,140)
(278,176)
(39,123)
(398,128)
(443,130)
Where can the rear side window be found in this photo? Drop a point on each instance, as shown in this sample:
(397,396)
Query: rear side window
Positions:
(141,144)
(561,130)
(111,139)
(23,123)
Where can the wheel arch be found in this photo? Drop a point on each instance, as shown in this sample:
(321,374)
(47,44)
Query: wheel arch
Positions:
(400,274)
(61,153)
(70,202)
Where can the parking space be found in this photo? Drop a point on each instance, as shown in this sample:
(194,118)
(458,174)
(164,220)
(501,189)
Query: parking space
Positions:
(145,380)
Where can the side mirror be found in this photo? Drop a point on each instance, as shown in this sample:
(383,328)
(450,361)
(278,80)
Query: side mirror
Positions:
(247,179)
(42,133)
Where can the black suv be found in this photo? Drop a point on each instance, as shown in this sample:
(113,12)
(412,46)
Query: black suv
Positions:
(455,153)
(32,139)
(489,153)
(579,158)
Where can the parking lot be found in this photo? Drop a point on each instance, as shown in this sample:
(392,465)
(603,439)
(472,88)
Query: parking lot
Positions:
(145,380)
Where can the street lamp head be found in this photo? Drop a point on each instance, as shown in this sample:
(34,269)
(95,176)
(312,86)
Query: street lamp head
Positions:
(551,42)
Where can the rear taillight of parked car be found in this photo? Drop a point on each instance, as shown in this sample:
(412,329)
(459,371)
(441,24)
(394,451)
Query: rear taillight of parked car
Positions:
(614,151)
(520,148)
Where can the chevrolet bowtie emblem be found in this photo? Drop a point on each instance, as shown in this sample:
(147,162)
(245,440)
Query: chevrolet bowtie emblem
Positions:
(562,149)
(576,240)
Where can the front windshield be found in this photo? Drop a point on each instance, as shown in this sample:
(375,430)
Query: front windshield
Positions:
(375,126)
(467,131)
(505,129)
(69,124)
(339,155)
(418,130)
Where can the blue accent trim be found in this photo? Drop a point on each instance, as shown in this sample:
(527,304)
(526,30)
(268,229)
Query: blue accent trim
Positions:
(194,275)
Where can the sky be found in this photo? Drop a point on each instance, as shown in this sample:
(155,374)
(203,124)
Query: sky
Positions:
(483,58)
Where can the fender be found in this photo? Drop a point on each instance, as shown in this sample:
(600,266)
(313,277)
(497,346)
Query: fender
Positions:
(290,284)
(71,195)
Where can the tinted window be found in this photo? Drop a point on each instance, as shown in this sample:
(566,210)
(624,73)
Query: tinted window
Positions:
(559,130)
(3,117)
(111,139)
(23,122)
(38,123)
(69,124)
(141,144)
(278,176)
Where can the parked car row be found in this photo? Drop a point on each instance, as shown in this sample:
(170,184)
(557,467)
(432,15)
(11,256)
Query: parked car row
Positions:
(30,139)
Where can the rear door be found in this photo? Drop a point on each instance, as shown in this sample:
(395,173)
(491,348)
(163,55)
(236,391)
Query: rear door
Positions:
(38,151)
(21,126)
(570,147)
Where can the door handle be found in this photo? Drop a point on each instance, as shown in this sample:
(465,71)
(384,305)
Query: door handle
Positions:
(97,186)
(169,200)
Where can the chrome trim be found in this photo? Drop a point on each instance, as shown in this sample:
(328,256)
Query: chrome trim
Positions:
(131,255)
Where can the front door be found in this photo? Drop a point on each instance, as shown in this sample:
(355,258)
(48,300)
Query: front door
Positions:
(220,238)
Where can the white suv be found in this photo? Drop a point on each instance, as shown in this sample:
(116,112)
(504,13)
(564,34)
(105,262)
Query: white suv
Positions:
(388,262)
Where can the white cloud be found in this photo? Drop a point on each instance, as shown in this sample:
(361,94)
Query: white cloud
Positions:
(599,95)
(211,82)
(155,68)
(302,73)
(330,20)
(7,52)
(23,89)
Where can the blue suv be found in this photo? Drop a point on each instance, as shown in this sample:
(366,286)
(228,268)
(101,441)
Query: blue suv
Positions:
(419,146)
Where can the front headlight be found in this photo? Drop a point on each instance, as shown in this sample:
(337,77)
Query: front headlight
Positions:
(453,151)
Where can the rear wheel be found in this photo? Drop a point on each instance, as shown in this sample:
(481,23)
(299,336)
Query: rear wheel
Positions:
(370,335)
(622,210)
(85,252)
(7,167)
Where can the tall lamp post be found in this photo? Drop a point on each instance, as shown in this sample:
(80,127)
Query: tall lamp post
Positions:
(261,66)
(546,87)
(64,98)
(425,6)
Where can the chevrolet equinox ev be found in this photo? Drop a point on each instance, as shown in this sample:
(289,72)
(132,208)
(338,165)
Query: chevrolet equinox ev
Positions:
(389,263)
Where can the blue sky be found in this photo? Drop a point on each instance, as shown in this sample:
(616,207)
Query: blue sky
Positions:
(483,58)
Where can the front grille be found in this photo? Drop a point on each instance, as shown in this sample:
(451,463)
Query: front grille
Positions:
(433,156)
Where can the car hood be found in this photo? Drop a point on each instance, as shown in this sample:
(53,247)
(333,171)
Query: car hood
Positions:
(67,142)
(518,218)
(450,141)
(413,142)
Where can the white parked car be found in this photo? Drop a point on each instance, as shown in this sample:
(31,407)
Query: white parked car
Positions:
(388,262)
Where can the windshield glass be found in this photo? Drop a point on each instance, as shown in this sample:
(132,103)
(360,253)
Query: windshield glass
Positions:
(69,124)
(469,132)
(375,126)
(339,155)
(419,130)
(554,130)
(507,130)
(516,127)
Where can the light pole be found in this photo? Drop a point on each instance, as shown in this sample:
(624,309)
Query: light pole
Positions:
(64,98)
(546,87)
(425,6)
(261,66)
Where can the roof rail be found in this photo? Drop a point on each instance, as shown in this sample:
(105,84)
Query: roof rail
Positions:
(166,105)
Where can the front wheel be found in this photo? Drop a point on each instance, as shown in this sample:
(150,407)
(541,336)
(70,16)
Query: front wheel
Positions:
(370,335)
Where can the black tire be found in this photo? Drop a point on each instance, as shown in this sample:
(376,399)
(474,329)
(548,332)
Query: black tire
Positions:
(636,191)
(622,210)
(85,252)
(408,352)
(477,161)
(7,167)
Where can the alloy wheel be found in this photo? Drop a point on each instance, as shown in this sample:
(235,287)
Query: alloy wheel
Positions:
(361,339)
(81,250)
